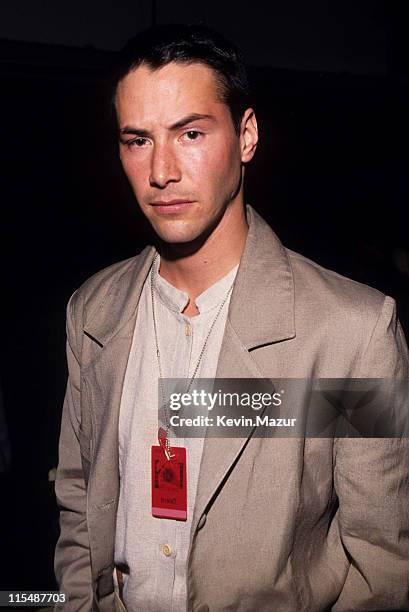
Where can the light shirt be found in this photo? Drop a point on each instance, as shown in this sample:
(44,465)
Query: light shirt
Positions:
(152,552)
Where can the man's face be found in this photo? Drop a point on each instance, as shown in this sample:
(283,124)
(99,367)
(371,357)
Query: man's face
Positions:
(179,149)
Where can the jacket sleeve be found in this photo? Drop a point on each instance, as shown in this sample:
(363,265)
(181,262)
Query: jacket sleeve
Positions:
(372,484)
(72,555)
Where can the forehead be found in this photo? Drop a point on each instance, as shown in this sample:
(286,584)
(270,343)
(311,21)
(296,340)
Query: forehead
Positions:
(169,92)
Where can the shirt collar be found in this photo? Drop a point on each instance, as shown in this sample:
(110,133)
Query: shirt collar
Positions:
(176,300)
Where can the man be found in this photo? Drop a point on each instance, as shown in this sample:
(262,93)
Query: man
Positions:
(267,524)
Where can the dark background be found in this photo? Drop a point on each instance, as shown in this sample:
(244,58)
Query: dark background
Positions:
(330,175)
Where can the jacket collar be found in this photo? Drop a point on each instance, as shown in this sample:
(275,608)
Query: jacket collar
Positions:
(261,309)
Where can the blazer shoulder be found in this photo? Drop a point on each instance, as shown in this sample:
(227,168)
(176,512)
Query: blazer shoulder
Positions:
(94,290)
(351,316)
(333,289)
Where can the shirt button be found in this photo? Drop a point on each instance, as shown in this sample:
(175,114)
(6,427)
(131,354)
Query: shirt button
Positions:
(167,550)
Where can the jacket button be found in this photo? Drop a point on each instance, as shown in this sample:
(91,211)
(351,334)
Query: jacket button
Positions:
(202,608)
(201,522)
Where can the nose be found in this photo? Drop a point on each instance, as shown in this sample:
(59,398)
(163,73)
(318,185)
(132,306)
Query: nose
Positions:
(164,166)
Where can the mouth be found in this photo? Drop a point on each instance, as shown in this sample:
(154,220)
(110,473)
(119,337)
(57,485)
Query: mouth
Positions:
(171,206)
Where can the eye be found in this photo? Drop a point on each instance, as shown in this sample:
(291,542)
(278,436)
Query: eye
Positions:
(138,142)
(192,134)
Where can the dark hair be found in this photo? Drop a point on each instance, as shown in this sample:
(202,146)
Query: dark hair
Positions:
(189,44)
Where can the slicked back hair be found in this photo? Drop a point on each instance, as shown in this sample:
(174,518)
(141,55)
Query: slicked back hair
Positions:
(189,44)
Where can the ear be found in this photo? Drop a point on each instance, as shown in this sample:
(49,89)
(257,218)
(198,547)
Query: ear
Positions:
(248,135)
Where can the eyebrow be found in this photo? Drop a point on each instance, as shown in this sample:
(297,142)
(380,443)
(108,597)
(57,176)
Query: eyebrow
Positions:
(175,126)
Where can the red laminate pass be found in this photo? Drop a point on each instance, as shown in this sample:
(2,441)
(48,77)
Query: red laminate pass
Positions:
(169,484)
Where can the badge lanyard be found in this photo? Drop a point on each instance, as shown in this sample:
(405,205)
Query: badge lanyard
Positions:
(169,483)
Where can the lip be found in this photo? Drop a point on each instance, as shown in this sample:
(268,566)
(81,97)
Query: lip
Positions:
(169,206)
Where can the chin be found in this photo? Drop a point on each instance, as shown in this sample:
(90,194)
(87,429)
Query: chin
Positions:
(174,234)
(178,237)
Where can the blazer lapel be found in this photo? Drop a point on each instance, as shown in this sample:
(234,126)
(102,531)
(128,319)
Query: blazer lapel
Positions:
(111,330)
(261,312)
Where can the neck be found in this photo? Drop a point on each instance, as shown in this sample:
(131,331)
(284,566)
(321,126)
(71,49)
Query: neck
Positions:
(195,271)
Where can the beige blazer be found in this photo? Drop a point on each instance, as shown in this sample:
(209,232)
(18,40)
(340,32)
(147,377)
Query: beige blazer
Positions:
(283,525)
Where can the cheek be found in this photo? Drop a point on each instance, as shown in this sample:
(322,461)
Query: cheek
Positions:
(212,165)
(135,169)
